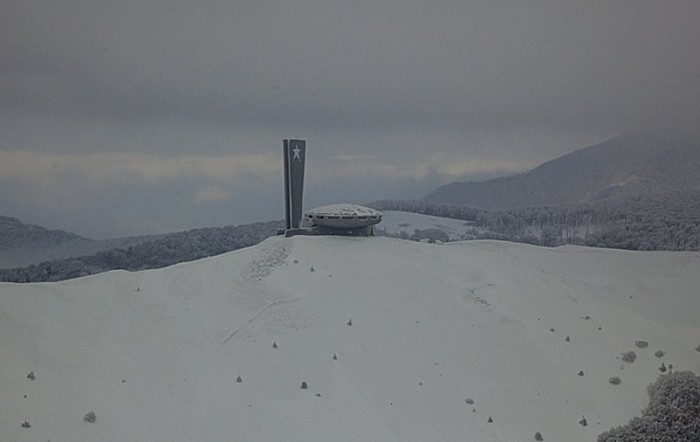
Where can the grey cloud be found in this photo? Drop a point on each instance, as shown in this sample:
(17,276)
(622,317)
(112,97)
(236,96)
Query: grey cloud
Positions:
(388,85)
(367,63)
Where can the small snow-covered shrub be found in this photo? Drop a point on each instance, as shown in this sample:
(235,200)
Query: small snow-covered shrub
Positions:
(628,356)
(538,437)
(304,385)
(659,353)
(432,235)
(641,344)
(90,417)
(31,376)
(615,380)
(673,413)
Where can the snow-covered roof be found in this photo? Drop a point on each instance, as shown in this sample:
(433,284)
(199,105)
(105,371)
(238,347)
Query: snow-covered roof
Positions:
(344,209)
(343,216)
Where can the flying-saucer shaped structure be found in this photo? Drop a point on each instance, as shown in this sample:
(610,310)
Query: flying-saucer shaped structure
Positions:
(343,216)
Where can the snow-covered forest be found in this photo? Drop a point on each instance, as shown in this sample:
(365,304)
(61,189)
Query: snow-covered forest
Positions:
(656,222)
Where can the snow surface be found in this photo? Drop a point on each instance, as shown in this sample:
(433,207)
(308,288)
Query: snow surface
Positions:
(395,222)
(156,354)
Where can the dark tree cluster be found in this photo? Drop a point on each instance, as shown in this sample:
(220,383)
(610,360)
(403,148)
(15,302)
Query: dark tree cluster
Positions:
(168,250)
(673,413)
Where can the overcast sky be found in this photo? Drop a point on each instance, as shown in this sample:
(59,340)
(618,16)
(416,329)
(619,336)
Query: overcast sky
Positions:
(131,117)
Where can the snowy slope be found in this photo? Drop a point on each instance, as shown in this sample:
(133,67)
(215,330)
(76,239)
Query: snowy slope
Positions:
(156,354)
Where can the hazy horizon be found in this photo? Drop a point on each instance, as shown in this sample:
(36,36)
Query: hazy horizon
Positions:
(153,116)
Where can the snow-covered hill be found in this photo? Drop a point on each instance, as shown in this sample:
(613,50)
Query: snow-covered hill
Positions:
(432,342)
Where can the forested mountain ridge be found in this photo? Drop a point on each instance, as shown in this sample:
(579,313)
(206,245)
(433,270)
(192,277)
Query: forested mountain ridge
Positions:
(24,244)
(160,251)
(626,166)
(15,233)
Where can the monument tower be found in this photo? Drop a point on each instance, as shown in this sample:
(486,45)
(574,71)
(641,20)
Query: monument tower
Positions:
(294,158)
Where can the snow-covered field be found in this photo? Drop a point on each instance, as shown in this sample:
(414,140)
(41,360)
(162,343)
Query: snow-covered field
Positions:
(157,354)
(394,222)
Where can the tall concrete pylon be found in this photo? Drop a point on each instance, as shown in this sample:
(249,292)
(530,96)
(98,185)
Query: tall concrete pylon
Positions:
(294,159)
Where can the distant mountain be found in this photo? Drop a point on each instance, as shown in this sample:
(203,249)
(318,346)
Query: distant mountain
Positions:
(14,233)
(25,244)
(625,166)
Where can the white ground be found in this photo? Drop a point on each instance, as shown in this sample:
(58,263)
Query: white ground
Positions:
(156,354)
(394,222)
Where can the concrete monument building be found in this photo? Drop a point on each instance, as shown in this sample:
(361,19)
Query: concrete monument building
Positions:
(344,219)
(335,219)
